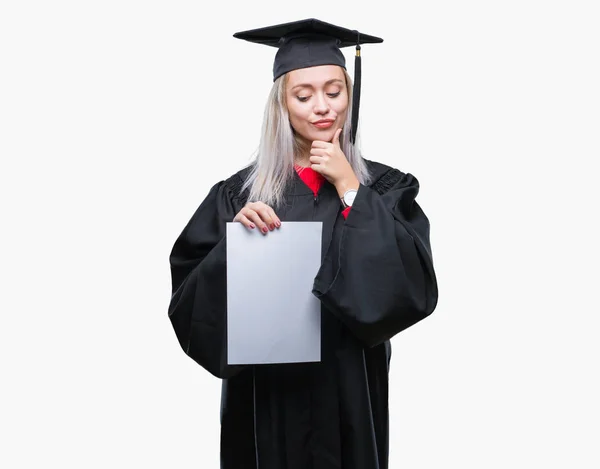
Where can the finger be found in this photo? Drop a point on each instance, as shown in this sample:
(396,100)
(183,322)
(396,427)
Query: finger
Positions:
(316,159)
(255,217)
(320,144)
(319,151)
(241,218)
(266,217)
(254,205)
(274,217)
(274,220)
(336,137)
(317,167)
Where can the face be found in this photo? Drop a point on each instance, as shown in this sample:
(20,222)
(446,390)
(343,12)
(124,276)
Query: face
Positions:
(317,101)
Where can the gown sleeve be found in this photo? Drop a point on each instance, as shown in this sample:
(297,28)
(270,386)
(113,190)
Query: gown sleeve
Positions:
(379,278)
(198,307)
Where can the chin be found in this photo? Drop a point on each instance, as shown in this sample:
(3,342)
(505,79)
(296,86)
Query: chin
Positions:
(325,135)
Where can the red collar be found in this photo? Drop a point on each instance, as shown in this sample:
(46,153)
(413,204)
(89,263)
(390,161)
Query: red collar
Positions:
(310,177)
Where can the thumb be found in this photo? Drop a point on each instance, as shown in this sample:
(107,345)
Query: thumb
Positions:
(336,137)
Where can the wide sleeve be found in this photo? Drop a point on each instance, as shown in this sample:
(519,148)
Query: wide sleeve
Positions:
(379,278)
(198,307)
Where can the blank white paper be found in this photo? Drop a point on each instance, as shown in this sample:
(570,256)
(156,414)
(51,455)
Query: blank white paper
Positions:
(272,315)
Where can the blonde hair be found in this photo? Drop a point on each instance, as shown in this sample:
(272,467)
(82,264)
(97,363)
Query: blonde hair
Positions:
(272,169)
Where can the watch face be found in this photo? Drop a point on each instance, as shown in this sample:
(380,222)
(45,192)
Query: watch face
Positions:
(349,197)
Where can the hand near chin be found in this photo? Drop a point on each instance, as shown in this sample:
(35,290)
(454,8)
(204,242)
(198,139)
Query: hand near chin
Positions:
(328,159)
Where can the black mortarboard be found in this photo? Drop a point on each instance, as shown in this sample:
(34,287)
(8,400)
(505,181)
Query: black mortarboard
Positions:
(309,43)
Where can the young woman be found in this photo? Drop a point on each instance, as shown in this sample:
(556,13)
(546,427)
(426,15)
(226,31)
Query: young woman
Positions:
(375,280)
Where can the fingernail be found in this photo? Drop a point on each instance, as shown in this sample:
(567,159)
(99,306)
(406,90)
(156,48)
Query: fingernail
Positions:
(265,229)
(278,224)
(252,225)
(272,226)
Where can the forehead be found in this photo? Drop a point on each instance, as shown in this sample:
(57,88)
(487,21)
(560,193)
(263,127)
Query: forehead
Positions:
(315,76)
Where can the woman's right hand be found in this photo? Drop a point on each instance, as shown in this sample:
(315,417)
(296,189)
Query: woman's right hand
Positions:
(258,214)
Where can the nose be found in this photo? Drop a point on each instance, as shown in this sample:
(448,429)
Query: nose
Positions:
(321,106)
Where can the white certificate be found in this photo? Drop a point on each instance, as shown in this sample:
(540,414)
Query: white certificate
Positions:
(272,315)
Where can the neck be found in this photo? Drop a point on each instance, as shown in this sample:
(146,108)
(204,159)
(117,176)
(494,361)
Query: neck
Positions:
(304,162)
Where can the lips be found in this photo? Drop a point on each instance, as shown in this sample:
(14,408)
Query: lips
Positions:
(323,123)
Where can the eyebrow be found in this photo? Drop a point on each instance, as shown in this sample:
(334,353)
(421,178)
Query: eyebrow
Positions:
(308,85)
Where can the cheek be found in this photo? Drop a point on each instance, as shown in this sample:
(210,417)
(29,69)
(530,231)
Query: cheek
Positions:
(340,105)
(297,113)
(341,109)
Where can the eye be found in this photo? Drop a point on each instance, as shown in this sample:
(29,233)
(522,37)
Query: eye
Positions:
(302,99)
(334,95)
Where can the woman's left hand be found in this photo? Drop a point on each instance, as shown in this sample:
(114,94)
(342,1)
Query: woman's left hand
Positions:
(328,159)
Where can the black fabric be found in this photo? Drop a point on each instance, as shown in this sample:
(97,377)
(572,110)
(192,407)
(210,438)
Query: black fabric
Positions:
(302,52)
(376,279)
(356,93)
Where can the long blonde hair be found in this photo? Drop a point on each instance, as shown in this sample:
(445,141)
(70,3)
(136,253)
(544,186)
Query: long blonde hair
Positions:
(272,169)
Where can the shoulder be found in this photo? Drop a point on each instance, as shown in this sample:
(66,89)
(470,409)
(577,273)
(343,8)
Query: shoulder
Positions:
(384,177)
(233,184)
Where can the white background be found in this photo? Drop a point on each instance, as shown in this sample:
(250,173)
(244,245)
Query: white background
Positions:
(112,113)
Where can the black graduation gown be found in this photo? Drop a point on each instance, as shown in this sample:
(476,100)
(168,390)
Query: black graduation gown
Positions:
(376,279)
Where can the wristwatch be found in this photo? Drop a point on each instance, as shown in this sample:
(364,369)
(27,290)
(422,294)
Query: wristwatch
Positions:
(348,198)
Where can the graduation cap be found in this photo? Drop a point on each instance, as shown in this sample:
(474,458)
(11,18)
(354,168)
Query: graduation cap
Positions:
(311,42)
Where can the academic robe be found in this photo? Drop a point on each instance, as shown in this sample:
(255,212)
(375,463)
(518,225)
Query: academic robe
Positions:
(375,280)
